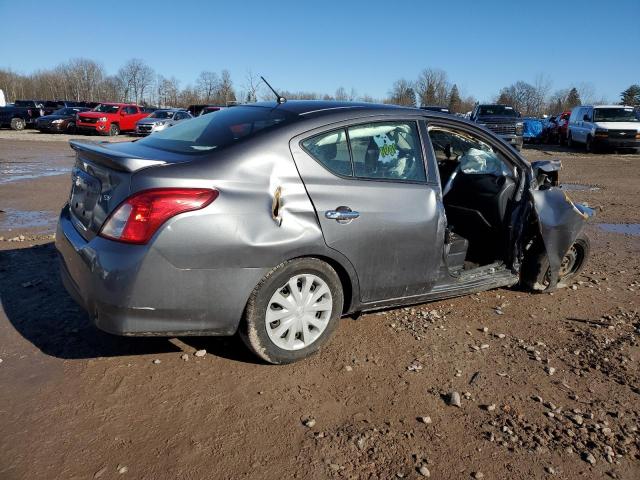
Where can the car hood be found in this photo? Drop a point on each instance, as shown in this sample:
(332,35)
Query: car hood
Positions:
(153,120)
(619,125)
(55,117)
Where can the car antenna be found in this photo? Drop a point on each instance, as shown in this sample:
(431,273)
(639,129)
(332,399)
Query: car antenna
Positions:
(279,97)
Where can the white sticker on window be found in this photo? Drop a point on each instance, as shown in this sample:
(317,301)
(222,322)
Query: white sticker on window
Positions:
(388,148)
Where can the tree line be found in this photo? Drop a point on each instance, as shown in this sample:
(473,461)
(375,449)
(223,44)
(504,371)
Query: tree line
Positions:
(84,79)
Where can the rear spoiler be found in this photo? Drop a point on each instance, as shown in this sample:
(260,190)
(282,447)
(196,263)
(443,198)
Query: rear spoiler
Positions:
(103,155)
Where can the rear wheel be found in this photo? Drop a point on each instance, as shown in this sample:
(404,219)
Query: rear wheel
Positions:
(18,124)
(114,130)
(535,274)
(292,311)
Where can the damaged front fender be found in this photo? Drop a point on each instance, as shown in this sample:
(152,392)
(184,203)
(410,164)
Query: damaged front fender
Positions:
(560,222)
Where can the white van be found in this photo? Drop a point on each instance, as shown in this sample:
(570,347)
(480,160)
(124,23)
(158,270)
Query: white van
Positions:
(611,126)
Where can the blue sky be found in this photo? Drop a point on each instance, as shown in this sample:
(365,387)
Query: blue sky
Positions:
(322,45)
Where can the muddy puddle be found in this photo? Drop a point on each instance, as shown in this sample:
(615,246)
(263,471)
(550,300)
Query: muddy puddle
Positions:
(17,171)
(623,228)
(579,187)
(11,219)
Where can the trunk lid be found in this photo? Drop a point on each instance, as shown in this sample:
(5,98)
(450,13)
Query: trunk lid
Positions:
(101,179)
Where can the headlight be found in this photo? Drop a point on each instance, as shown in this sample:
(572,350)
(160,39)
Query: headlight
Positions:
(519,128)
(102,119)
(58,121)
(160,124)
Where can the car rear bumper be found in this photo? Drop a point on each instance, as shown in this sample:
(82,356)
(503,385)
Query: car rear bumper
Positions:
(134,290)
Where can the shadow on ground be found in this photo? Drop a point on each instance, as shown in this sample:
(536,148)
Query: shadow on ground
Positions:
(39,308)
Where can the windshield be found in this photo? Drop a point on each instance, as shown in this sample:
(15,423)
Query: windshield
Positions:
(497,110)
(162,114)
(104,108)
(217,130)
(23,103)
(66,111)
(614,115)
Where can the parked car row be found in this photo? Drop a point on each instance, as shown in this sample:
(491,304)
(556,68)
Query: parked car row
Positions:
(595,127)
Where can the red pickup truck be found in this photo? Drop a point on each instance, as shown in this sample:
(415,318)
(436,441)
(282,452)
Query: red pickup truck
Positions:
(111,118)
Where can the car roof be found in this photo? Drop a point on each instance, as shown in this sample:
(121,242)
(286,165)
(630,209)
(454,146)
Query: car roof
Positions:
(319,107)
(606,106)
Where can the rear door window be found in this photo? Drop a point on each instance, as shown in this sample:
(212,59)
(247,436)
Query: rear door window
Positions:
(331,150)
(387,150)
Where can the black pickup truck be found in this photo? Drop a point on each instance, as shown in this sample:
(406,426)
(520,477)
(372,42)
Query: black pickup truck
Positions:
(501,119)
(21,114)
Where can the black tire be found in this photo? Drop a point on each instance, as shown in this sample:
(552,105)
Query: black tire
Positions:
(114,130)
(534,275)
(71,127)
(253,329)
(588,145)
(570,143)
(18,124)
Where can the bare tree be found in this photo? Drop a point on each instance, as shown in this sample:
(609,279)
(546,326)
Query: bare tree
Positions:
(341,95)
(136,77)
(433,87)
(208,84)
(251,87)
(225,93)
(402,93)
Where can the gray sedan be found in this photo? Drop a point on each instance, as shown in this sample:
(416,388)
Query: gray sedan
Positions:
(276,219)
(159,120)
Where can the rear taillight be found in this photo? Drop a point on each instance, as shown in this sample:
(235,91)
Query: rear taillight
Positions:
(137,218)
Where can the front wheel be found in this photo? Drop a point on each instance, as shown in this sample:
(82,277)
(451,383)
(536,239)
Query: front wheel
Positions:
(71,128)
(18,124)
(588,145)
(569,141)
(114,130)
(535,275)
(292,311)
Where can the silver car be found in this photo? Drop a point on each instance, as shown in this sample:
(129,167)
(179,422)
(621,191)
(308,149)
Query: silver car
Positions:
(160,120)
(276,219)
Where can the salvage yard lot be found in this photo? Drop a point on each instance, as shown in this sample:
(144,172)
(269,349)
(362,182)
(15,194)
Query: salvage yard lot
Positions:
(549,383)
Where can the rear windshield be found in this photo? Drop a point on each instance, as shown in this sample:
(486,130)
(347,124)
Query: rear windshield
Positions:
(107,108)
(501,110)
(218,129)
(614,115)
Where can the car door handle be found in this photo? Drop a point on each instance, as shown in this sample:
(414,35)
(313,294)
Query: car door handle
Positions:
(341,214)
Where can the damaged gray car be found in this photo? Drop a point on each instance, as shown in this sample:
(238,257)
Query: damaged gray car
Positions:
(276,219)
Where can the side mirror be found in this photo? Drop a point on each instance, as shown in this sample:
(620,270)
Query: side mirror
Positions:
(122,113)
(586,118)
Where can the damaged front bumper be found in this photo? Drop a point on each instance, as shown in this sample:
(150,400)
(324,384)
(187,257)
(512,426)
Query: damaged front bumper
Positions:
(560,221)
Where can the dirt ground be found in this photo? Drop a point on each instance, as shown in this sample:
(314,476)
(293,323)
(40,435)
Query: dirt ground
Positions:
(549,383)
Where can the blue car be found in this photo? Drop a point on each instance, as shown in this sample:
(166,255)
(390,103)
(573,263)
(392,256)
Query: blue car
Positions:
(532,130)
